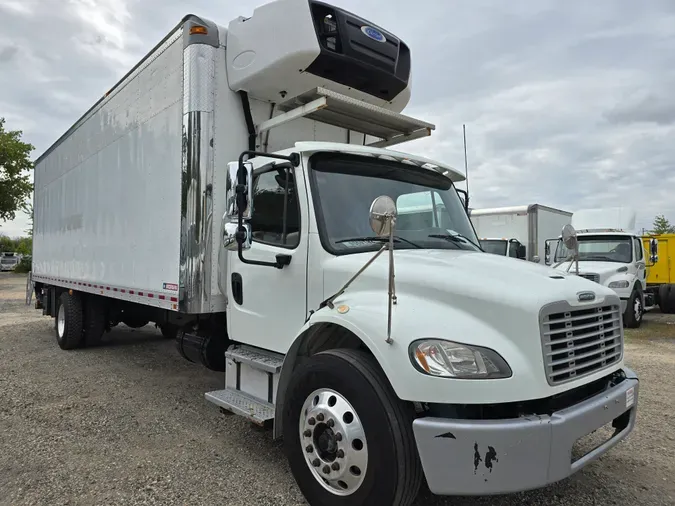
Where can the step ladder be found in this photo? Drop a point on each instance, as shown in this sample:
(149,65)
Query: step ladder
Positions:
(251,382)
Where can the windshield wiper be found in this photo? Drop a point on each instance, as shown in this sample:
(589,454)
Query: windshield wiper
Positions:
(459,238)
(379,239)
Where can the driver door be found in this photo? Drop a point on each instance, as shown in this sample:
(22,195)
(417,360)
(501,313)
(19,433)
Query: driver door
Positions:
(267,306)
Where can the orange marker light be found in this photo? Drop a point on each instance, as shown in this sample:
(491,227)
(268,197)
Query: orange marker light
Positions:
(422,359)
(198,30)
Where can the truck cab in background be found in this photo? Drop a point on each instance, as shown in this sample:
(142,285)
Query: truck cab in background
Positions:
(504,247)
(9,260)
(610,253)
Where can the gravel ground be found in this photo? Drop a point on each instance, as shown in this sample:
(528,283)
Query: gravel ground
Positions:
(127,423)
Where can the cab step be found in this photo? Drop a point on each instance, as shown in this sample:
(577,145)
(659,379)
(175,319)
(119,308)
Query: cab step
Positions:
(251,382)
(242,404)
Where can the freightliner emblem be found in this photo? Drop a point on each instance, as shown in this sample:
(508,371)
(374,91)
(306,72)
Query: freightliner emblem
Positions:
(586,296)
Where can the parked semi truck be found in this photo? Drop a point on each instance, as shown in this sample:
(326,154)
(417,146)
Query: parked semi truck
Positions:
(9,260)
(237,189)
(610,253)
(518,231)
(661,273)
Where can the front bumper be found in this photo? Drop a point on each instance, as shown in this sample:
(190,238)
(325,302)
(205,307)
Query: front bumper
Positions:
(482,457)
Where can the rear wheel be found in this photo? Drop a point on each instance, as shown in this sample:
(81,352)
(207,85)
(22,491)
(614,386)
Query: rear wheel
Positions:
(632,318)
(68,322)
(667,299)
(348,438)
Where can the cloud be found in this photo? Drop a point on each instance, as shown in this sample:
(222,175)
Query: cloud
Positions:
(566,104)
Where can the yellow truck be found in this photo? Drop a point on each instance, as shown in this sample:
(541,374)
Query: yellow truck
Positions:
(661,274)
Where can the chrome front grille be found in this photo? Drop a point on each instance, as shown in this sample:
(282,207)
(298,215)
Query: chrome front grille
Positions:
(591,276)
(580,341)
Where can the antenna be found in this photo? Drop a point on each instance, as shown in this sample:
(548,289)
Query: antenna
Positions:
(466,165)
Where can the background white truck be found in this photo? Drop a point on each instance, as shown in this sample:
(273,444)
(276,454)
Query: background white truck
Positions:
(9,261)
(610,253)
(381,351)
(518,231)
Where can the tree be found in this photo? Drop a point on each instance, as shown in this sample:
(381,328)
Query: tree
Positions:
(15,185)
(29,211)
(662,226)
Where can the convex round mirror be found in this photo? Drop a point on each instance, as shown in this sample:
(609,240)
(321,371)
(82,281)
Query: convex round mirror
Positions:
(382,215)
(569,237)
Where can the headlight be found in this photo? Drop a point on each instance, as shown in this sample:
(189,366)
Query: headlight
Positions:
(619,284)
(447,359)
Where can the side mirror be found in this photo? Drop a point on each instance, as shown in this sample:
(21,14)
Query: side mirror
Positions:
(548,257)
(654,250)
(238,197)
(522,252)
(383,216)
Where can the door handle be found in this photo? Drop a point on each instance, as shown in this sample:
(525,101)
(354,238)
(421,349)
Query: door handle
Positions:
(237,288)
(283,260)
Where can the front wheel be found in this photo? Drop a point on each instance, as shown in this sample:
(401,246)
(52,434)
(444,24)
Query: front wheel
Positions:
(634,310)
(347,437)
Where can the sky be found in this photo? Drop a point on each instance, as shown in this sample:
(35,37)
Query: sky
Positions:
(566,104)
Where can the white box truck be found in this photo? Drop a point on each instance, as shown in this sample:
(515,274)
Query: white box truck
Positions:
(609,252)
(234,188)
(518,231)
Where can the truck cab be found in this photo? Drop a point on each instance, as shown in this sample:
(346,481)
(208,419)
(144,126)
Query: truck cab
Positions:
(9,260)
(611,254)
(504,247)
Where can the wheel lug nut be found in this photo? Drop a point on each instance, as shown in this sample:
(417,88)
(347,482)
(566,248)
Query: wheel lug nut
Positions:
(330,422)
(336,466)
(338,436)
(341,454)
(309,449)
(326,470)
(308,433)
(311,421)
(316,462)
(319,417)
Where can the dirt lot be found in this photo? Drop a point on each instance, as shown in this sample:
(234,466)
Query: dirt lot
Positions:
(127,423)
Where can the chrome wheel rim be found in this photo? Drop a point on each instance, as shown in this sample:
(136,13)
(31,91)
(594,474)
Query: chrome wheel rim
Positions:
(61,321)
(637,309)
(333,442)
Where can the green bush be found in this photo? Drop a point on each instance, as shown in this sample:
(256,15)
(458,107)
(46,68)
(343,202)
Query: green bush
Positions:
(25,265)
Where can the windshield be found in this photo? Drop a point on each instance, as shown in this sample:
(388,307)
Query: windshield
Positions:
(496,246)
(604,248)
(430,213)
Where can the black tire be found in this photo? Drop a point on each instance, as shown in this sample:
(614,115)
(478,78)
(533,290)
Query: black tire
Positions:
(95,319)
(70,336)
(667,299)
(394,474)
(630,319)
(169,331)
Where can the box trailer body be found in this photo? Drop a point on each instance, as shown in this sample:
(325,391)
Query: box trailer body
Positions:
(610,253)
(238,190)
(503,230)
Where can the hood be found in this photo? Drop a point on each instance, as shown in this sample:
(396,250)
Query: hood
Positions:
(472,277)
(594,267)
